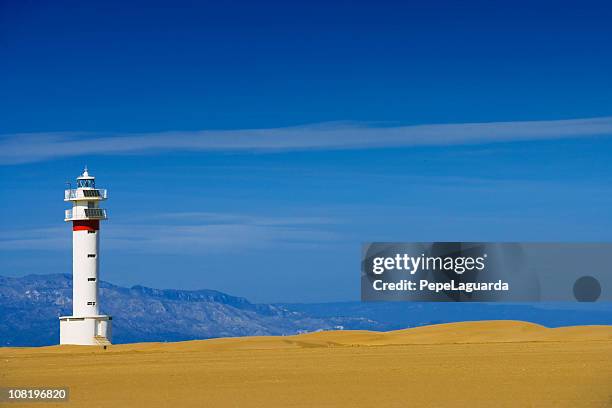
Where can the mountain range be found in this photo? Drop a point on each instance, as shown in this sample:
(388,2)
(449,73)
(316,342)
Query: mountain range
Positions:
(30,306)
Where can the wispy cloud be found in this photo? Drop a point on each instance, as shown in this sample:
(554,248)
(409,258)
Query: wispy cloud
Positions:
(33,147)
(213,218)
(50,238)
(183,233)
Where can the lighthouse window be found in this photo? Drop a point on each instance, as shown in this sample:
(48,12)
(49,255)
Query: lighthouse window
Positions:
(91,255)
(85,183)
(94,212)
(91,193)
(91,279)
(91,303)
(91,231)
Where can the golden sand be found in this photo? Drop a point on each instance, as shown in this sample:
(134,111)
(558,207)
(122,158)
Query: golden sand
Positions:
(488,364)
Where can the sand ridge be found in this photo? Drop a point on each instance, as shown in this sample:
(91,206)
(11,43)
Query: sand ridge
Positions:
(492,331)
(500,363)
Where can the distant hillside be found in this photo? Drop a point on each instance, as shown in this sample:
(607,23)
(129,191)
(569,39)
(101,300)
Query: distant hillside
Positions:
(29,307)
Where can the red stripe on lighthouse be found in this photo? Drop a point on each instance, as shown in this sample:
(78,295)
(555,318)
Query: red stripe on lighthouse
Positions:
(86,225)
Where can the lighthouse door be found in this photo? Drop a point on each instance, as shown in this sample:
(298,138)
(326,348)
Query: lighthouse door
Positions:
(101,328)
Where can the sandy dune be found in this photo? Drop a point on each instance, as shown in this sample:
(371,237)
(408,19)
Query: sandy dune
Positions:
(496,364)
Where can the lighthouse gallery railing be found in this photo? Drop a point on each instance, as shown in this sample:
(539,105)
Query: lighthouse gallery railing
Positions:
(86,214)
(99,193)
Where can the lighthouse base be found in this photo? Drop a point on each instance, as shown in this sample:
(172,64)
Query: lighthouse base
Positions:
(85,330)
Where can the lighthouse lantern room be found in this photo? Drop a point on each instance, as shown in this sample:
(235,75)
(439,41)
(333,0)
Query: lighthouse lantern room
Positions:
(86,326)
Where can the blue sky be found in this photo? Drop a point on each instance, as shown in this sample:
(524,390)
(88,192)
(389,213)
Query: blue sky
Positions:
(252,148)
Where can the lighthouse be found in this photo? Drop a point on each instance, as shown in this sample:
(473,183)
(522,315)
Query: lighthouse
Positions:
(86,326)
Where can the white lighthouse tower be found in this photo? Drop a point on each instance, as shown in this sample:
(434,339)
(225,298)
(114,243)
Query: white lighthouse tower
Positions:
(86,326)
